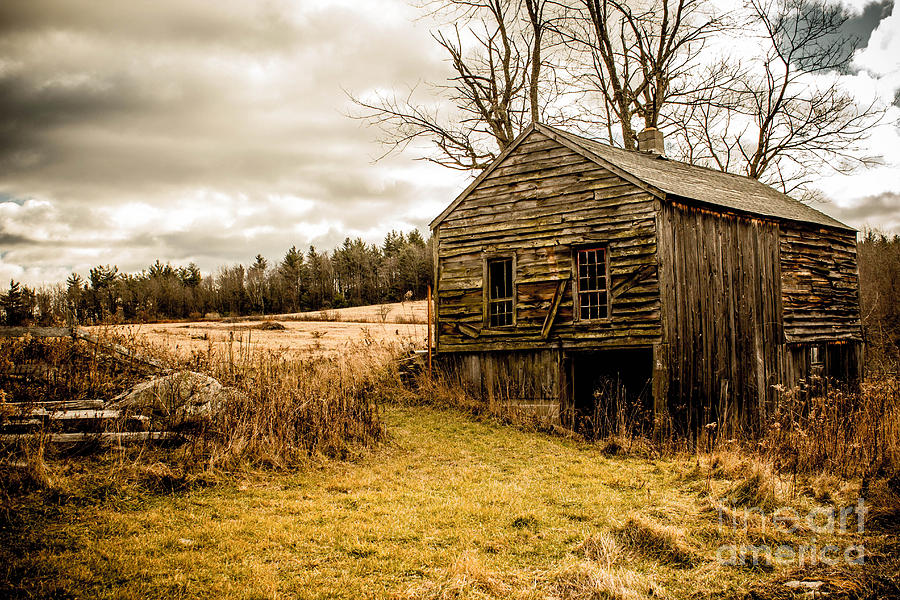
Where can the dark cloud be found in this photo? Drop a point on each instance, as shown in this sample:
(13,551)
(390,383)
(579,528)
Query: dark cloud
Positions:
(860,26)
(854,33)
(131,131)
(9,239)
(250,26)
(880,211)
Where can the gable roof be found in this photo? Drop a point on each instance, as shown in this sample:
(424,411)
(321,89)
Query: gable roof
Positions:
(663,177)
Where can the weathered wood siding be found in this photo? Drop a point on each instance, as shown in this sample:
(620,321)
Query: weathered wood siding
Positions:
(841,362)
(539,204)
(527,383)
(819,284)
(729,303)
(720,283)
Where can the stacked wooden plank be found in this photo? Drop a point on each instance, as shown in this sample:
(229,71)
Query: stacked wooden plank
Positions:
(72,421)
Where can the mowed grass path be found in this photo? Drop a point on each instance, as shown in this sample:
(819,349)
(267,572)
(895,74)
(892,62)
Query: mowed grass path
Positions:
(441,492)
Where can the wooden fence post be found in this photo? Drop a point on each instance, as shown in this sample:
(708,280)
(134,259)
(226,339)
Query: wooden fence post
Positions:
(429,332)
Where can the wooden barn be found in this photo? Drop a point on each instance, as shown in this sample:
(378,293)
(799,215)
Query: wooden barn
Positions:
(593,285)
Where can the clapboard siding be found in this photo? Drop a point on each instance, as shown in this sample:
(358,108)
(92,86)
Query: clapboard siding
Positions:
(819,284)
(722,336)
(540,204)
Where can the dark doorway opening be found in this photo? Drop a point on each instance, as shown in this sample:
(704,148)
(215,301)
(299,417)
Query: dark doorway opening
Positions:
(612,392)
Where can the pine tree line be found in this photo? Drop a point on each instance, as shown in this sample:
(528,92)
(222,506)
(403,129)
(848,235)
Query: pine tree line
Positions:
(353,274)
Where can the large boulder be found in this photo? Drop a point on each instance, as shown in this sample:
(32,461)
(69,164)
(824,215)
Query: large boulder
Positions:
(183,396)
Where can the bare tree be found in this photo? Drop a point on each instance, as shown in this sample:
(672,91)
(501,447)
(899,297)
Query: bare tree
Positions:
(496,52)
(540,19)
(785,117)
(779,115)
(639,60)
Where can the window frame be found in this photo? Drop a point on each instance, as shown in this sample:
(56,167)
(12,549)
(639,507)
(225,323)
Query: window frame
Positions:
(576,299)
(488,258)
(816,355)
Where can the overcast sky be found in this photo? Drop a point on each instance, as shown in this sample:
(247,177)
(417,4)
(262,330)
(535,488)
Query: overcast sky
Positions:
(193,131)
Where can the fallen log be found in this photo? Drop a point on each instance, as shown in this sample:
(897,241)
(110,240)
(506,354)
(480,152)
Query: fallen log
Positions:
(53,405)
(65,415)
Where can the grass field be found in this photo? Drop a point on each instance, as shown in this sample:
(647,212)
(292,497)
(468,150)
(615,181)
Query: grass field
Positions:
(423,502)
(298,338)
(447,507)
(414,311)
(317,333)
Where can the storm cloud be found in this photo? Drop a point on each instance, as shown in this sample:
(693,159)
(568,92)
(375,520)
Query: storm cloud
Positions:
(167,129)
(185,131)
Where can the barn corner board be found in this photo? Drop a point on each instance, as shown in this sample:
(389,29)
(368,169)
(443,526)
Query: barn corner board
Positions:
(575,281)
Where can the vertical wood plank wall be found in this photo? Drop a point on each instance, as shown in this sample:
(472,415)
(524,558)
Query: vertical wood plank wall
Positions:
(720,282)
(530,382)
(842,363)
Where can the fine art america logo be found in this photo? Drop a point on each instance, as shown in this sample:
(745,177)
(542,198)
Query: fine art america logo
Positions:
(837,526)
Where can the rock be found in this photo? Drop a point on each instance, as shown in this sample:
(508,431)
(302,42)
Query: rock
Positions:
(183,396)
(804,585)
(807,589)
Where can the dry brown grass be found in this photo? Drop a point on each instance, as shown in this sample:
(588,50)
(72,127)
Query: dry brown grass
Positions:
(844,433)
(468,577)
(600,548)
(756,487)
(300,339)
(447,507)
(278,410)
(289,409)
(56,369)
(586,580)
(648,538)
(404,313)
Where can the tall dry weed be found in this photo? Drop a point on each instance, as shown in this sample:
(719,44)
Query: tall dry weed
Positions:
(60,369)
(284,408)
(841,432)
(279,410)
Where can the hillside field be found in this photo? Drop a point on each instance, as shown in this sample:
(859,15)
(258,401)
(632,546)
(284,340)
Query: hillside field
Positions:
(304,334)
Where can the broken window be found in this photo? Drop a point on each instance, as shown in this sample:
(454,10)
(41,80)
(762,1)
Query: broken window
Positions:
(815,356)
(592,291)
(500,292)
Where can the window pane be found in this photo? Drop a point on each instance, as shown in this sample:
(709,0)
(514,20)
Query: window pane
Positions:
(500,289)
(500,275)
(501,313)
(592,299)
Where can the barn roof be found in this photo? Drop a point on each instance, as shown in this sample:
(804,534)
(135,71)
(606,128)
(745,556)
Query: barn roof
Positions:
(674,178)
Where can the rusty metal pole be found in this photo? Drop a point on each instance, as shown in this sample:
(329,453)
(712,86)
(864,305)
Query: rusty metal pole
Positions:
(429,332)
